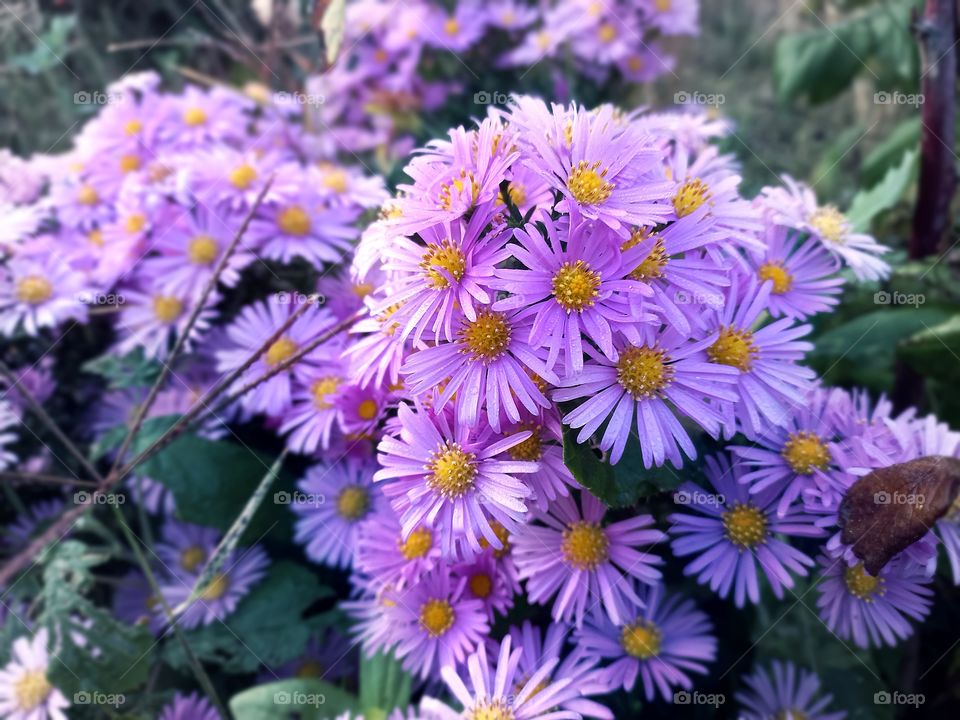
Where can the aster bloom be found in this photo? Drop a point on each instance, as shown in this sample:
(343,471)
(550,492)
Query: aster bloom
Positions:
(39,292)
(795,205)
(734,531)
(446,475)
(189,707)
(186,547)
(332,502)
(788,692)
(435,624)
(25,691)
(242,569)
(487,582)
(328,655)
(376,357)
(573,290)
(313,413)
(496,691)
(665,640)
(448,274)
(135,603)
(573,556)
(803,275)
(552,478)
(770,383)
(873,611)
(488,364)
(152,319)
(606,170)
(199,117)
(652,381)
(386,557)
(81,203)
(37,515)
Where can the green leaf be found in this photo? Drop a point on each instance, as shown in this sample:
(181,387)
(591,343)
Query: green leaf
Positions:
(819,63)
(384,685)
(888,153)
(212,481)
(300,698)
(332,26)
(934,351)
(150,430)
(125,371)
(51,48)
(267,626)
(867,204)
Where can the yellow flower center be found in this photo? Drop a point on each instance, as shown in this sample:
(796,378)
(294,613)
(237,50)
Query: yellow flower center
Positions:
(830,223)
(543,40)
(575,286)
(487,337)
(587,186)
(353,502)
(135,223)
(447,257)
(745,525)
(804,451)
(34,290)
(192,557)
(491,710)
(691,195)
(367,409)
(789,713)
(310,669)
(167,308)
(735,348)
(417,544)
(217,588)
(607,32)
(635,63)
(481,585)
(530,449)
(452,190)
(782,280)
(664,5)
(323,391)
(862,584)
(437,616)
(87,195)
(243,177)
(96,237)
(294,221)
(129,163)
(451,26)
(336,180)
(282,349)
(641,639)
(202,250)
(517,193)
(584,545)
(502,535)
(652,266)
(643,372)
(452,471)
(194,116)
(133,127)
(31,689)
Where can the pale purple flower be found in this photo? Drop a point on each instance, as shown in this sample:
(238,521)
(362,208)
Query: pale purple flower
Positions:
(787,692)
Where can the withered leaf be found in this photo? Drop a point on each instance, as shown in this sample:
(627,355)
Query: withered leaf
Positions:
(891,508)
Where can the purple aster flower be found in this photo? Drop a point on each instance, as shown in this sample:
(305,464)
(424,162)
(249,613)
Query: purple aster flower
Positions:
(39,291)
(574,557)
(796,206)
(803,275)
(666,639)
(511,14)
(448,274)
(313,413)
(606,169)
(199,117)
(25,691)
(246,334)
(653,381)
(186,548)
(386,557)
(449,476)
(189,707)
(152,319)
(81,204)
(489,364)
(553,478)
(36,517)
(458,31)
(577,288)
(487,582)
(736,530)
(229,180)
(770,383)
(788,692)
(135,603)
(328,656)
(332,502)
(376,357)
(494,691)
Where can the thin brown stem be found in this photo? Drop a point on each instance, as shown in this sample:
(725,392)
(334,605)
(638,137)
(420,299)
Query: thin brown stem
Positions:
(43,479)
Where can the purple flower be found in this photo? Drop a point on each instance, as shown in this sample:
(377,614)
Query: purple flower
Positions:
(189,707)
(552,478)
(304,226)
(40,291)
(389,559)
(575,558)
(790,693)
(25,691)
(666,639)
(200,117)
(152,319)
(734,531)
